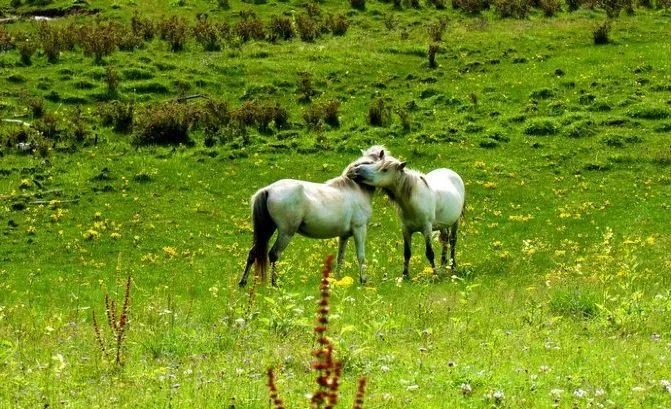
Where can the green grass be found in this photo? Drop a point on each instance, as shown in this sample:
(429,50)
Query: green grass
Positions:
(563,282)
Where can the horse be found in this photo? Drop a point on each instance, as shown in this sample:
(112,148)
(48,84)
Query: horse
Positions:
(340,207)
(426,203)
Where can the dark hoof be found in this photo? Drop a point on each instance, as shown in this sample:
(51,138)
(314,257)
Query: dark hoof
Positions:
(242,283)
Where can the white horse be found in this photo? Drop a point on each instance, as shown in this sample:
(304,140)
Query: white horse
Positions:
(426,203)
(341,208)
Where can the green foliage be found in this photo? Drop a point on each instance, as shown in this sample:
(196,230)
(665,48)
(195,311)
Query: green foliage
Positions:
(541,127)
(379,113)
(174,30)
(280,28)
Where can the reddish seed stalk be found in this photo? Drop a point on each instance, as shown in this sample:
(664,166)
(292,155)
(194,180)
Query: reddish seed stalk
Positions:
(123,321)
(358,399)
(99,338)
(272,387)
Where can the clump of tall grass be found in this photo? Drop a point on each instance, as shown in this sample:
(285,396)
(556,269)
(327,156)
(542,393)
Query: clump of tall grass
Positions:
(118,322)
(49,37)
(379,113)
(431,54)
(328,369)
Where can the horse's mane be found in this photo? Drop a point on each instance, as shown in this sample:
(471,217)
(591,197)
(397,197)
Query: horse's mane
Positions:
(407,183)
(344,181)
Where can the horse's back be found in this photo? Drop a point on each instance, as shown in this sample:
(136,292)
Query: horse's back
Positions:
(450,194)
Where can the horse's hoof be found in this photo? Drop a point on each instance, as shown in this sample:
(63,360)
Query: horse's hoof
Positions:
(242,284)
(363,280)
(406,276)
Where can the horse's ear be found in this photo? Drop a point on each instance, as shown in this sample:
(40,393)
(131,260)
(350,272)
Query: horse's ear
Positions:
(381,155)
(401,166)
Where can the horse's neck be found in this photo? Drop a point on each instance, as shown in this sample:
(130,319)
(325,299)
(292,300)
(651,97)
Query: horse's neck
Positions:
(402,192)
(343,182)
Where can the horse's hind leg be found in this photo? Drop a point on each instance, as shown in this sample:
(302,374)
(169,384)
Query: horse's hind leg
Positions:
(250,262)
(444,237)
(281,243)
(453,244)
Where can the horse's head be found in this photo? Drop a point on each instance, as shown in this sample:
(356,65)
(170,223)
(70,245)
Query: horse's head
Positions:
(369,156)
(382,173)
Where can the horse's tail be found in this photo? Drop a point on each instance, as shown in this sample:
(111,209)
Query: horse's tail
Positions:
(264,227)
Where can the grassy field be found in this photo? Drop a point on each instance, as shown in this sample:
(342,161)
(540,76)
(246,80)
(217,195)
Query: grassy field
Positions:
(563,295)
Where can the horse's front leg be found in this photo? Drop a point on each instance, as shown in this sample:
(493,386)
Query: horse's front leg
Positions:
(360,242)
(407,252)
(429,247)
(342,245)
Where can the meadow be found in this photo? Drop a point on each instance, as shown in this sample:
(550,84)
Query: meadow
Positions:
(562,297)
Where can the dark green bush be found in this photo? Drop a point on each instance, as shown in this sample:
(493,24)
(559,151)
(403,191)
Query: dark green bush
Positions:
(118,115)
(99,40)
(306,27)
(337,24)
(6,41)
(261,114)
(49,37)
(280,28)
(600,33)
(175,31)
(512,8)
(142,27)
(163,124)
(250,28)
(471,6)
(207,34)
(358,4)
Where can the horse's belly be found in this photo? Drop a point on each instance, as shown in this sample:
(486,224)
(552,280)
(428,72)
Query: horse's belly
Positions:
(323,229)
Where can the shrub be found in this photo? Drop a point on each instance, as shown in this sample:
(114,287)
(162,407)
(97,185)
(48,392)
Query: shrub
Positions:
(49,37)
(600,33)
(35,104)
(6,42)
(438,4)
(306,27)
(512,8)
(174,30)
(433,50)
(404,116)
(325,113)
(312,8)
(163,124)
(305,87)
(215,115)
(646,3)
(142,27)
(76,129)
(250,28)
(25,139)
(100,40)
(207,34)
(261,115)
(48,125)
(358,4)
(541,127)
(379,113)
(613,7)
(112,81)
(550,7)
(118,115)
(414,4)
(223,4)
(129,41)
(337,24)
(26,48)
(280,28)
(573,5)
(470,6)
(436,30)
